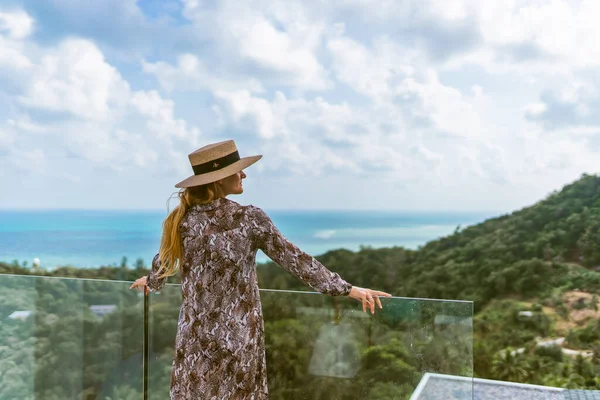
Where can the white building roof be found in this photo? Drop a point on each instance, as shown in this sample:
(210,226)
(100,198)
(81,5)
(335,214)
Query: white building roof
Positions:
(20,314)
(451,387)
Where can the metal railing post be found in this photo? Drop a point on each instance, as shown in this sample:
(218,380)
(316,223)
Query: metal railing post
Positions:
(146,351)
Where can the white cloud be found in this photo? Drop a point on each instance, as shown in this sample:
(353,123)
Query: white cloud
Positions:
(191,73)
(24,123)
(558,28)
(11,56)
(6,137)
(294,130)
(393,131)
(447,108)
(290,52)
(75,78)
(14,27)
(400,98)
(371,71)
(160,117)
(561,30)
(567,104)
(535,110)
(16,24)
(242,106)
(314,136)
(275,39)
(535,39)
(29,161)
(78,106)
(400,80)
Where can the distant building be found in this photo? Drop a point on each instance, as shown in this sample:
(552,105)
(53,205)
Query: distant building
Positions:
(525,314)
(551,342)
(335,351)
(582,394)
(20,315)
(100,310)
(451,387)
(452,320)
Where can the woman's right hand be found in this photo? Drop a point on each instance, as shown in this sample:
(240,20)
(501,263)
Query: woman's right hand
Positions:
(140,284)
(368,297)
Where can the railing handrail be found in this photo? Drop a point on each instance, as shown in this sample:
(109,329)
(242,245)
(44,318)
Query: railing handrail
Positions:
(262,290)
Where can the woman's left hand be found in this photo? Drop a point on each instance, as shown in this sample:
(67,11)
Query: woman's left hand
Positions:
(368,297)
(140,284)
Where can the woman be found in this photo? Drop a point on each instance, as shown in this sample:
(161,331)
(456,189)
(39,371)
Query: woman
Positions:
(219,351)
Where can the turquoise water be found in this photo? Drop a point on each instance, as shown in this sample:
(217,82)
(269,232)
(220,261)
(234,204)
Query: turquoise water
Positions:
(94,238)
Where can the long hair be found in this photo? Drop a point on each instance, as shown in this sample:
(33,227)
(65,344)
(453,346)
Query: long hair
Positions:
(169,254)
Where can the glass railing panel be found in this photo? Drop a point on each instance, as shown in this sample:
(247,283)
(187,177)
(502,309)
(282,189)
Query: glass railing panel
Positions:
(17,337)
(320,347)
(83,339)
(70,339)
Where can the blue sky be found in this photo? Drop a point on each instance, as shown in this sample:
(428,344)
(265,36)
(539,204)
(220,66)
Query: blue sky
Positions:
(410,105)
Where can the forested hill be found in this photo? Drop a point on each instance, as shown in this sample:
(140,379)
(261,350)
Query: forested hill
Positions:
(554,243)
(541,259)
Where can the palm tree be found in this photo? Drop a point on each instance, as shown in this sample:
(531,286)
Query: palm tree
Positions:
(537,367)
(507,366)
(596,354)
(581,366)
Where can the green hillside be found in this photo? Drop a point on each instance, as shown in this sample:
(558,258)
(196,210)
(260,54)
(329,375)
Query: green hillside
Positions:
(554,243)
(543,259)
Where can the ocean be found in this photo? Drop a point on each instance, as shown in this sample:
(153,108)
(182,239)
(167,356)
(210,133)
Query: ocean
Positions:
(93,238)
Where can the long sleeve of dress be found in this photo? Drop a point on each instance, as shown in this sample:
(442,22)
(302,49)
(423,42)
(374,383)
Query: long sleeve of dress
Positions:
(290,257)
(153,281)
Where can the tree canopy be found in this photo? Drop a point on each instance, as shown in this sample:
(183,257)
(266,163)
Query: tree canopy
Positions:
(530,261)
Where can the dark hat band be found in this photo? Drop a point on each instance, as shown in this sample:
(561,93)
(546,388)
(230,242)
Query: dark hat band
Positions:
(216,164)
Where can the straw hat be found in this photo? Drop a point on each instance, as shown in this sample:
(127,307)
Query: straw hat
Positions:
(215,161)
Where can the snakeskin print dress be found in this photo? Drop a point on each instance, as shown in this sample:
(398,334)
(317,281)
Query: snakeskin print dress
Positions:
(219,348)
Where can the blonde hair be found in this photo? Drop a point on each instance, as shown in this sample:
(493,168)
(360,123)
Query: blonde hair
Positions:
(170,244)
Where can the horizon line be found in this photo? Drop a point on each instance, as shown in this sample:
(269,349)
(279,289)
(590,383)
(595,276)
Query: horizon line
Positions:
(477,211)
